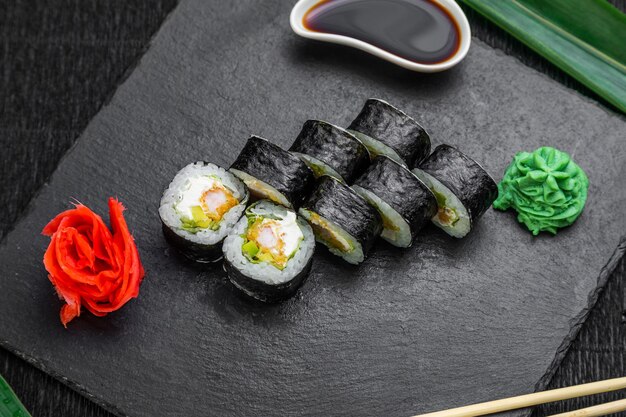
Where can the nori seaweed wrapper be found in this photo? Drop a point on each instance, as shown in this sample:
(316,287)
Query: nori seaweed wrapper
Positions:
(402,190)
(334,146)
(277,167)
(338,203)
(262,291)
(385,123)
(472,185)
(192,250)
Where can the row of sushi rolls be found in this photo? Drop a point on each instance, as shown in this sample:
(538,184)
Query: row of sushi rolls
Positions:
(343,188)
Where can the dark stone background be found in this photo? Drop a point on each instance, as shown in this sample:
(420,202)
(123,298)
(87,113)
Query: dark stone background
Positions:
(61,60)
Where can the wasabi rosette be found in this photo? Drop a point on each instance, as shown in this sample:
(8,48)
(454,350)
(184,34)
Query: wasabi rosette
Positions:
(198,209)
(269,253)
(546,188)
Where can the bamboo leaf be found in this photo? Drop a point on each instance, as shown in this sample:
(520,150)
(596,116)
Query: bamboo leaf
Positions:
(585,38)
(10,405)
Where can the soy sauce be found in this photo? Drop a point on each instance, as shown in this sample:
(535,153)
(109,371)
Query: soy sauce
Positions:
(417,30)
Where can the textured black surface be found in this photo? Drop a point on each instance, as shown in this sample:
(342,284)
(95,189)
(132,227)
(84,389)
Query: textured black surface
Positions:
(472,185)
(36,142)
(402,190)
(381,121)
(267,162)
(333,146)
(59,61)
(336,202)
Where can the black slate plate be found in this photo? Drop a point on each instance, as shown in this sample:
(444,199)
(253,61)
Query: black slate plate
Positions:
(445,323)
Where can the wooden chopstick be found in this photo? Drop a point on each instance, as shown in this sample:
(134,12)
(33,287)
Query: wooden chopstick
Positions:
(529,400)
(596,410)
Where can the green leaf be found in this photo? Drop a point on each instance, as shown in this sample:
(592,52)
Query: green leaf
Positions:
(10,405)
(585,38)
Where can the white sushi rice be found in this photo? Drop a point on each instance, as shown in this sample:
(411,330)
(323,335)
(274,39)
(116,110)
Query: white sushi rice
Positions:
(463,225)
(316,166)
(400,235)
(263,271)
(174,193)
(261,189)
(354,255)
(376,147)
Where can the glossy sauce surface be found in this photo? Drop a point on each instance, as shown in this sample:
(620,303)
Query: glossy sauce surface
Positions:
(417,30)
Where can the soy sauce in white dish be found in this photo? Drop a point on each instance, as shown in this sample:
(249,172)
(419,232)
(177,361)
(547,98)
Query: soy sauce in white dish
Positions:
(421,31)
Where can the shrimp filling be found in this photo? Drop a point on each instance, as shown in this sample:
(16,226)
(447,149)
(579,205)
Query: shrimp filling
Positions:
(272,240)
(202,203)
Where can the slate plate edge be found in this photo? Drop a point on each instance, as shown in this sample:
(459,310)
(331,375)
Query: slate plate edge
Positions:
(65,381)
(578,321)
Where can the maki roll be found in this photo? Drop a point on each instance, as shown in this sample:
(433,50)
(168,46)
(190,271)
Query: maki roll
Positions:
(273,173)
(342,220)
(198,209)
(404,202)
(385,130)
(464,190)
(330,150)
(269,252)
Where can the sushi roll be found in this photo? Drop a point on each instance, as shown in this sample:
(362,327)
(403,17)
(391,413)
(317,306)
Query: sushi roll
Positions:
(404,202)
(385,130)
(198,209)
(273,173)
(269,252)
(330,150)
(341,220)
(464,190)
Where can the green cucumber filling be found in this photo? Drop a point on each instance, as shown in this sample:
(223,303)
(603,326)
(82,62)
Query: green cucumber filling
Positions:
(329,234)
(318,170)
(199,220)
(203,202)
(272,238)
(388,223)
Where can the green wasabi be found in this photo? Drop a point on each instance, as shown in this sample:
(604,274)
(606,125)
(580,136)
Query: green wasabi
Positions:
(546,188)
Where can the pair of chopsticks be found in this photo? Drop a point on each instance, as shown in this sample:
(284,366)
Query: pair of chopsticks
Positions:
(529,400)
